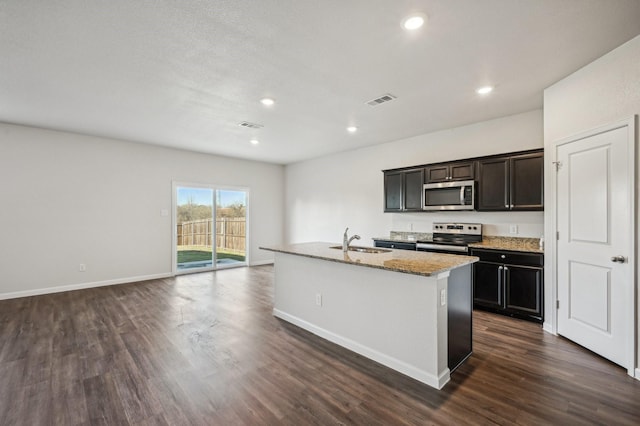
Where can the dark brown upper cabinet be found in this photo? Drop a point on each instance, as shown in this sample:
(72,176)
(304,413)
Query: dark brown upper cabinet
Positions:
(403,190)
(514,182)
(508,182)
(447,172)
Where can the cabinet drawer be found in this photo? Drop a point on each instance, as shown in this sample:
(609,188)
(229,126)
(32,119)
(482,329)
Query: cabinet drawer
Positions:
(509,257)
(394,245)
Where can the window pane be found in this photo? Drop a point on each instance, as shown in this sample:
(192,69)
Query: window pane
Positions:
(231,227)
(194,211)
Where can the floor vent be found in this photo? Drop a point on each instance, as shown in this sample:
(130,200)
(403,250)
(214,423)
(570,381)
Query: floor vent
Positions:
(250,125)
(382,99)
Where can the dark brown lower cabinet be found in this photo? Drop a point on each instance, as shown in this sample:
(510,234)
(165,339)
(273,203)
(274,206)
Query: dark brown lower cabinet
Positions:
(394,245)
(509,283)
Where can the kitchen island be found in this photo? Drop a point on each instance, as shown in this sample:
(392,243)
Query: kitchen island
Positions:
(410,311)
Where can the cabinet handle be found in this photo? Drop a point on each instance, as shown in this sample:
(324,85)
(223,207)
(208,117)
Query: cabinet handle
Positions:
(506,206)
(393,246)
(500,285)
(511,206)
(502,256)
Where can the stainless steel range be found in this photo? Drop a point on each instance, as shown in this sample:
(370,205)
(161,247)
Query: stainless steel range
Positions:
(452,238)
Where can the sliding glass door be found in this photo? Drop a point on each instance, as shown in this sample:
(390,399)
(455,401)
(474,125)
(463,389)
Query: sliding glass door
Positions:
(231,227)
(210,228)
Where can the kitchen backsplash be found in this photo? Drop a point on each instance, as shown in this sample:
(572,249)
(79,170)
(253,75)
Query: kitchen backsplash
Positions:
(410,236)
(527,224)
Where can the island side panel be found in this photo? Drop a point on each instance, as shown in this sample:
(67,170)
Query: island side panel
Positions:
(393,318)
(460,316)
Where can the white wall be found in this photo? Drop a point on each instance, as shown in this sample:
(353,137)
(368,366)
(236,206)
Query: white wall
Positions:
(603,92)
(69,199)
(325,195)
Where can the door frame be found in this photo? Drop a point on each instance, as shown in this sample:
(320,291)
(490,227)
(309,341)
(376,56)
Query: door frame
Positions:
(174,230)
(632,304)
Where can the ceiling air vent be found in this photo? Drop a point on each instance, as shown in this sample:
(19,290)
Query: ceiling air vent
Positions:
(250,125)
(382,99)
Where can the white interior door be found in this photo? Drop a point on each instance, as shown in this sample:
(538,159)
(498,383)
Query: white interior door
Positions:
(595,243)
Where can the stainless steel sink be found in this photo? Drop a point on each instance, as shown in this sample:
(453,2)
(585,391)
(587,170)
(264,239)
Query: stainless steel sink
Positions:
(363,249)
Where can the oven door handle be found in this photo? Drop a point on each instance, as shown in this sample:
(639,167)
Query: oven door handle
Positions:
(461,249)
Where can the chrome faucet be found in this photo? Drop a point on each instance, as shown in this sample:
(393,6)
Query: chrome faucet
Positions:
(346,240)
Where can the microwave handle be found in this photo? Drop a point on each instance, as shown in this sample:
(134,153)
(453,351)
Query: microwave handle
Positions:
(462,195)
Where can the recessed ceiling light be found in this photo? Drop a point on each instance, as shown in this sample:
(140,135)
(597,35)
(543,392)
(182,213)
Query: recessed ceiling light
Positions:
(267,101)
(254,141)
(352,129)
(484,90)
(413,22)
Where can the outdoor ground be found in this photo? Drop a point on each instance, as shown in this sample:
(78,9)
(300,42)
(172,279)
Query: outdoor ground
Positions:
(203,253)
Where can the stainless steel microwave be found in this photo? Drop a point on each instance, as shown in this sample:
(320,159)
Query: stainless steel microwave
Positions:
(456,195)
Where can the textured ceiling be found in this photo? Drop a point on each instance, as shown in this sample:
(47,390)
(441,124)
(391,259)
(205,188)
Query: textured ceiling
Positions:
(185,73)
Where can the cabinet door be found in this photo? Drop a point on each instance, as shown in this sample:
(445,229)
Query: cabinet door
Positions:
(450,171)
(493,184)
(413,181)
(439,173)
(527,181)
(462,171)
(523,290)
(393,192)
(487,284)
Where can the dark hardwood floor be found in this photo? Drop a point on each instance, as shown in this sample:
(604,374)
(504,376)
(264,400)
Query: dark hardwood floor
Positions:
(204,349)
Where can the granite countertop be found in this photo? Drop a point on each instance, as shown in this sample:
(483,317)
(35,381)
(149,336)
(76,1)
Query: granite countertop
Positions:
(397,239)
(405,261)
(406,237)
(531,245)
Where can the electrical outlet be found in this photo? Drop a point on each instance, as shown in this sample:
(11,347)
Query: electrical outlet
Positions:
(443,297)
(318,299)
(513,229)
(82,267)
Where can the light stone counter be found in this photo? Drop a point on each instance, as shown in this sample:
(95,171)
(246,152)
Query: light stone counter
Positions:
(406,237)
(531,245)
(405,261)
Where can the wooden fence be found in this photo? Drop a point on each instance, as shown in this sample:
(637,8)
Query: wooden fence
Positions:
(230,233)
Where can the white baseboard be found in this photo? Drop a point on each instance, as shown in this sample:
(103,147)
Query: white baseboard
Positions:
(546,326)
(391,362)
(262,262)
(60,289)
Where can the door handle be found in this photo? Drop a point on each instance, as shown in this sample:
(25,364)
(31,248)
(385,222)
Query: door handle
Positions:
(618,259)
